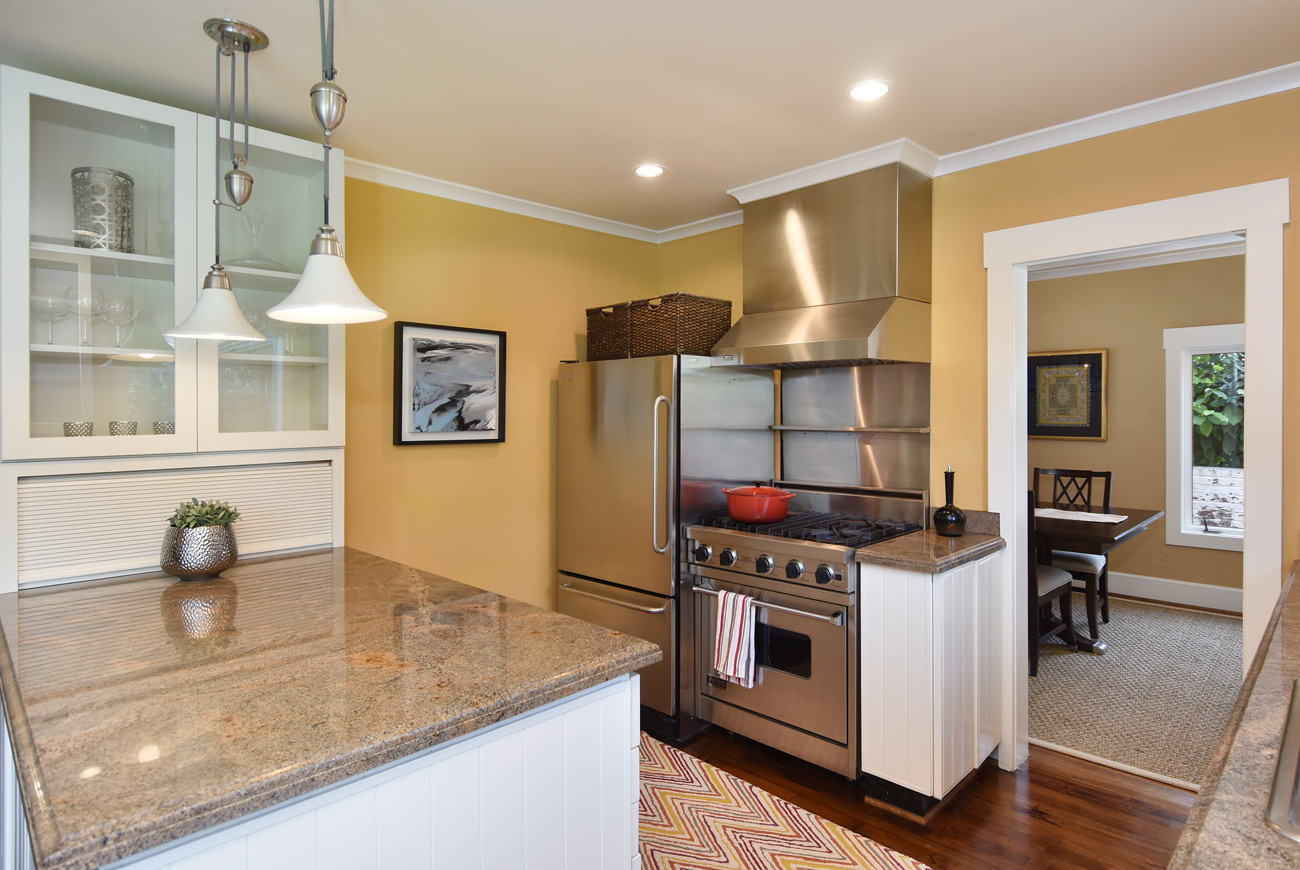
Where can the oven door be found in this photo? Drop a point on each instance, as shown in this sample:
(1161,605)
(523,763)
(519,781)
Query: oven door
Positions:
(800,658)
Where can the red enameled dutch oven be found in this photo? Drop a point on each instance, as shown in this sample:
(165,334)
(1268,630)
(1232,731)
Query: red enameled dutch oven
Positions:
(757,504)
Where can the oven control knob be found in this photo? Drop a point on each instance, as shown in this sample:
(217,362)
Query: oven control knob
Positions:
(702,553)
(794,569)
(727,558)
(763,564)
(825,574)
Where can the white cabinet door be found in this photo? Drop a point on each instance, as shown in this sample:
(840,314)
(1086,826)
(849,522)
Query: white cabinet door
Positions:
(286,391)
(896,634)
(107,228)
(97,228)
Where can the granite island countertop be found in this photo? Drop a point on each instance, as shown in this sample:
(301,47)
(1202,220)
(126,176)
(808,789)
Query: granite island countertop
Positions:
(1226,827)
(146,709)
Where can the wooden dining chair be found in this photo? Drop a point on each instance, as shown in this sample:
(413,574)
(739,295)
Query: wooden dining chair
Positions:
(1077,489)
(1047,584)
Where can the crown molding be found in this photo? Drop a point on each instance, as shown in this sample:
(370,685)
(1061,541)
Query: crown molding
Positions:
(364,170)
(696,228)
(1249,87)
(898,151)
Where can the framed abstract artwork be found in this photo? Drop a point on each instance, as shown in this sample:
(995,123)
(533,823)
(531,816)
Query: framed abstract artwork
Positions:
(1067,395)
(449,384)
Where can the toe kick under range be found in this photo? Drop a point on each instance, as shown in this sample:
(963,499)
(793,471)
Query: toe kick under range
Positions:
(802,577)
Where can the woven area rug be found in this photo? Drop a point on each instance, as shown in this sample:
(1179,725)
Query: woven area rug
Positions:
(697,817)
(1157,701)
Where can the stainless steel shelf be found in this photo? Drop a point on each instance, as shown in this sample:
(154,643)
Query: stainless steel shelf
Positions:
(904,430)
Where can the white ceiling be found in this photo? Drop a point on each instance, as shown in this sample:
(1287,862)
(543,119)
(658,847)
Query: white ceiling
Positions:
(554,101)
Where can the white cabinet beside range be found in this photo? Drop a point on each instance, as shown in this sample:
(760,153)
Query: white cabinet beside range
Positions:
(929,679)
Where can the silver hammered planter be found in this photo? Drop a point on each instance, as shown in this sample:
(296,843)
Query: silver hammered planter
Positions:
(197,553)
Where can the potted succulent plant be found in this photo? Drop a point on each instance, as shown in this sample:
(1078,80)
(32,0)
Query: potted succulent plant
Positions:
(200,541)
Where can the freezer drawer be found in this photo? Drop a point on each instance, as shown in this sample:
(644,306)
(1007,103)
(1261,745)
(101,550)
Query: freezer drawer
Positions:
(649,617)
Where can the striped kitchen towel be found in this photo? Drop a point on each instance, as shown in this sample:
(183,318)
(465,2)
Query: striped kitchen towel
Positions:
(733,656)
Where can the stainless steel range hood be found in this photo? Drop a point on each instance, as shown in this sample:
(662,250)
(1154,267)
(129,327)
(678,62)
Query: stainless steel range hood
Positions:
(836,273)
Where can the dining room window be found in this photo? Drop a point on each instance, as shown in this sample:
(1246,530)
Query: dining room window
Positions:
(1205,409)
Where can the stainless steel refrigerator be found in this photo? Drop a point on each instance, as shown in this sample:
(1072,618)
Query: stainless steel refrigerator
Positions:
(645,447)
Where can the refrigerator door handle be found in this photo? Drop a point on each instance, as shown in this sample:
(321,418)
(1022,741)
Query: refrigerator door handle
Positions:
(657,490)
(606,600)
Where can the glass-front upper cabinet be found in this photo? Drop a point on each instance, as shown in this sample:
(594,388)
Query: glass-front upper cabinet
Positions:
(283,391)
(97,229)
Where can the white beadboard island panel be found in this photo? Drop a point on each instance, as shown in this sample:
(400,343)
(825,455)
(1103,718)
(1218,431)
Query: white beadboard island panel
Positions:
(519,792)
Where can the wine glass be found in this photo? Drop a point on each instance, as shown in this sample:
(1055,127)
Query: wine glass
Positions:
(49,307)
(119,310)
(88,304)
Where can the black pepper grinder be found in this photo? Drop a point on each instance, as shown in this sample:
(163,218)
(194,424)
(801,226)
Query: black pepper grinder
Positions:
(949,521)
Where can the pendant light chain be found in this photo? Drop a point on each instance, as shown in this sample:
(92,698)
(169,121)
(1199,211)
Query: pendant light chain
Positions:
(247,152)
(327,43)
(216,164)
(327,72)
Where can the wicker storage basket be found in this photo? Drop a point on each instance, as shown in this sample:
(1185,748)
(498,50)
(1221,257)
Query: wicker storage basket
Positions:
(678,323)
(675,323)
(609,334)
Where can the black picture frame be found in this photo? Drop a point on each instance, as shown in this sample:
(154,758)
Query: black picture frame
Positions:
(449,384)
(1067,395)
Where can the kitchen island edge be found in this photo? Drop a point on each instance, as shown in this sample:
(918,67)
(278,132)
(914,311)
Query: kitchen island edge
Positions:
(68,836)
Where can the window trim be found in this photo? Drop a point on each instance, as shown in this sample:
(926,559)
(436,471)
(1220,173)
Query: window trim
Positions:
(1181,344)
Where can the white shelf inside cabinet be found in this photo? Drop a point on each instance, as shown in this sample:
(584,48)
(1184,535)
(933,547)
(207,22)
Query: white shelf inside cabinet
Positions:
(104,262)
(247,272)
(271,359)
(117,354)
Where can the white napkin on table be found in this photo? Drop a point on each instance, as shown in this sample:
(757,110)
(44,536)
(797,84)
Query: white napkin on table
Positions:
(733,655)
(1053,513)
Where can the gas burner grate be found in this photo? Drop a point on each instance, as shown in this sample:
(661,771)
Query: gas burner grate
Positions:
(823,528)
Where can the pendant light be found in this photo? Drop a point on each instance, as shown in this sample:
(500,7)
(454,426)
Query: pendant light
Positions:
(326,292)
(216,315)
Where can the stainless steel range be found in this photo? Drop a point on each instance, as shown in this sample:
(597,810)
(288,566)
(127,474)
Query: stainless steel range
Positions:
(802,574)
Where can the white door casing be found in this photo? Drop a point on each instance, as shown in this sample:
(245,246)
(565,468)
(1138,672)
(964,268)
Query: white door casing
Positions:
(1257,210)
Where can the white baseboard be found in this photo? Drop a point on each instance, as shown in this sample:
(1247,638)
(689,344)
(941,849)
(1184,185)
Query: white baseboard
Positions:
(1177,592)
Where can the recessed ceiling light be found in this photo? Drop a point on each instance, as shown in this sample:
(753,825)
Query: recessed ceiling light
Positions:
(872,89)
(649,170)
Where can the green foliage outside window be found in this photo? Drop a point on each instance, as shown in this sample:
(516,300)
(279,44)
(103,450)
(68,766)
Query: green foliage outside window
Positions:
(1218,409)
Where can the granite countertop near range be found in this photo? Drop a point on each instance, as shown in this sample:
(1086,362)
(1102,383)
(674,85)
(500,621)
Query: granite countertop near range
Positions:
(932,553)
(1226,827)
(146,709)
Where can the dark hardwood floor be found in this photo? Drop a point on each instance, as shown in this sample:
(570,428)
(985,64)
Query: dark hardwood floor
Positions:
(1055,813)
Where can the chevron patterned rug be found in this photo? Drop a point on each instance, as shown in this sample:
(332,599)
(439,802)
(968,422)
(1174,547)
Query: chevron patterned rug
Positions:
(697,817)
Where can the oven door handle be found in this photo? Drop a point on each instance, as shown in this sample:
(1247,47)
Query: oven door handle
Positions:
(836,618)
(614,601)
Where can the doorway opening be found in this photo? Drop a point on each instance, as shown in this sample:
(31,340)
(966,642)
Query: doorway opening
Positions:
(1157,700)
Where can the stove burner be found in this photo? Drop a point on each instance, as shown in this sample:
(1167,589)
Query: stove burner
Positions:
(839,529)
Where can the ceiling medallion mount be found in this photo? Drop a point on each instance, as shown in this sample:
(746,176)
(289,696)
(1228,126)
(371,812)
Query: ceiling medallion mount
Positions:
(236,35)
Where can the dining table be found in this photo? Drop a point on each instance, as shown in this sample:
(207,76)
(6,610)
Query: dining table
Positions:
(1090,536)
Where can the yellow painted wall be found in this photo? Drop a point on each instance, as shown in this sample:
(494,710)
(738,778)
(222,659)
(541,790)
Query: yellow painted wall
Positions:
(706,265)
(1234,145)
(1126,313)
(479,513)
(426,259)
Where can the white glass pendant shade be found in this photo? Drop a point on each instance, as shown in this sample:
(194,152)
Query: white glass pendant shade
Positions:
(326,292)
(216,315)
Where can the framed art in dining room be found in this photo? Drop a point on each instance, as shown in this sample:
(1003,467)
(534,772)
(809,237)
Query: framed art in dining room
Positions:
(449,384)
(1067,395)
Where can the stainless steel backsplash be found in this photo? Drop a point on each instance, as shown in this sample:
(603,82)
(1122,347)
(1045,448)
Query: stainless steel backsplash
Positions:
(863,426)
